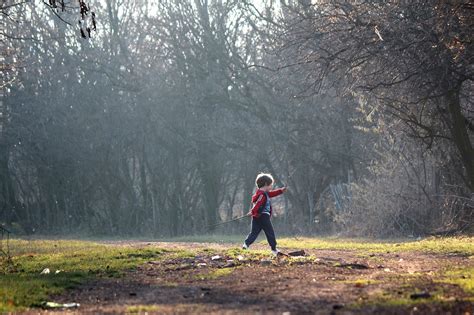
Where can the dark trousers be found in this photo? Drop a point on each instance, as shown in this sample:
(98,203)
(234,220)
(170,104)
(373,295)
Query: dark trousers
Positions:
(262,223)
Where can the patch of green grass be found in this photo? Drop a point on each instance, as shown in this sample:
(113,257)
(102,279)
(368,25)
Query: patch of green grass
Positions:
(183,253)
(139,309)
(76,261)
(456,245)
(361,282)
(463,277)
(18,291)
(407,284)
(248,254)
(20,246)
(100,259)
(371,257)
(392,299)
(171,308)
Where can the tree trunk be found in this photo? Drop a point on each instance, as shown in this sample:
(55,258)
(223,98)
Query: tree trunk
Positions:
(460,135)
(6,187)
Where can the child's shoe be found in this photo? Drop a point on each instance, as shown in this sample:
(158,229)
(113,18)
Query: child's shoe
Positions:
(245,246)
(276,251)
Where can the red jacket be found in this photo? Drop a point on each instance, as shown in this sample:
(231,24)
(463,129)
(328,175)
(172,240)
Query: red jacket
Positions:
(259,199)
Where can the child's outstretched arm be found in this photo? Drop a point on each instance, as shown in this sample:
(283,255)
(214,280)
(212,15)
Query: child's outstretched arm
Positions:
(276,192)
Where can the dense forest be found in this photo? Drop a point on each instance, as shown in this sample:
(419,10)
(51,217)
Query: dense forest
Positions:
(153,118)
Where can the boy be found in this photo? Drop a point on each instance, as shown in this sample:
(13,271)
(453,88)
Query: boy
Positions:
(262,211)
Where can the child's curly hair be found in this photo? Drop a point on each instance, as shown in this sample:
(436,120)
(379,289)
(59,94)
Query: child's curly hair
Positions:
(263,179)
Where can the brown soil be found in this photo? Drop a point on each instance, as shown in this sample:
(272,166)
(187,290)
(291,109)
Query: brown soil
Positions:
(332,282)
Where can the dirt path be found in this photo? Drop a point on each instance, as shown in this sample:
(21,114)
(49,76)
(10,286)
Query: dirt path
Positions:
(322,282)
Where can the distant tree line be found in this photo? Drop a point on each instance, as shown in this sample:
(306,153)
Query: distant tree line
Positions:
(158,124)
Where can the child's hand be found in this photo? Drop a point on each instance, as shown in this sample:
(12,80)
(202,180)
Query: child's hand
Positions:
(284,189)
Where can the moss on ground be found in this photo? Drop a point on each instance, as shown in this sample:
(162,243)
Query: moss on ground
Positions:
(253,254)
(215,273)
(141,309)
(462,277)
(399,295)
(361,282)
